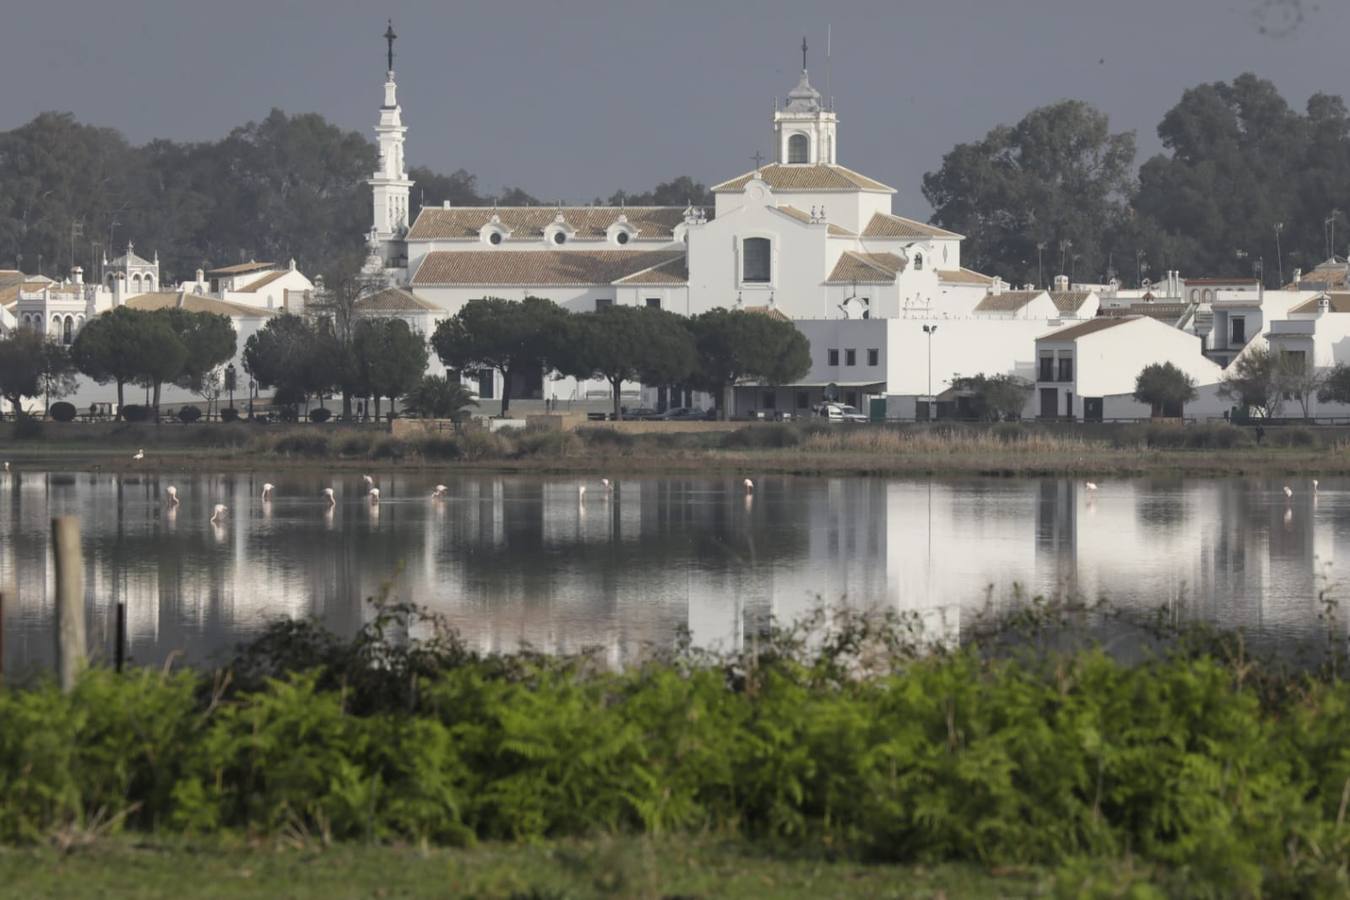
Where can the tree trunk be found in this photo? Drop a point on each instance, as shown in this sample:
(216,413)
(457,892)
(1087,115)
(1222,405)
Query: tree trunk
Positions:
(377,407)
(724,403)
(614,384)
(119,397)
(155,404)
(346,404)
(506,391)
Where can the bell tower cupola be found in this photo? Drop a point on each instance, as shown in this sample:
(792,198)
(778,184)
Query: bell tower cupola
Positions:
(390,185)
(804,128)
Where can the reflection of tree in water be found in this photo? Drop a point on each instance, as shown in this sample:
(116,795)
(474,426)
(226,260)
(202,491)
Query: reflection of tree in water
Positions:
(1161,504)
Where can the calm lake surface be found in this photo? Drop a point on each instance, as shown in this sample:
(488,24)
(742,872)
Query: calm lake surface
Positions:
(512,560)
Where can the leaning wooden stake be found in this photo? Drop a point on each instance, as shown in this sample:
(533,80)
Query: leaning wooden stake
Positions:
(70,642)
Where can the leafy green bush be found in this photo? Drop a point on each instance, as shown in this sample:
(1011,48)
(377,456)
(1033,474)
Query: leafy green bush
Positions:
(358,444)
(189,414)
(759,437)
(320,414)
(62,411)
(389,448)
(134,412)
(1293,437)
(302,443)
(229,414)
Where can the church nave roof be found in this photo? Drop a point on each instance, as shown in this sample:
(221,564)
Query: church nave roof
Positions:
(794,177)
(653,223)
(888,225)
(868,268)
(541,267)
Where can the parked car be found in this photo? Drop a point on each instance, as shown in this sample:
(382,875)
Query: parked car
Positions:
(687,414)
(840,412)
(641,412)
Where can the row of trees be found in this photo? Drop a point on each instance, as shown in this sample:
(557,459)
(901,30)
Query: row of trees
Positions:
(1262,380)
(287,186)
(1244,179)
(384,358)
(125,346)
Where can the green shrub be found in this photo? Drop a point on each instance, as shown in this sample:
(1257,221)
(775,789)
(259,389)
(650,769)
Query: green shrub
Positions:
(477,443)
(134,412)
(27,428)
(229,414)
(389,448)
(189,414)
(1217,437)
(302,443)
(1293,437)
(756,437)
(62,411)
(358,444)
(439,447)
(601,437)
(320,414)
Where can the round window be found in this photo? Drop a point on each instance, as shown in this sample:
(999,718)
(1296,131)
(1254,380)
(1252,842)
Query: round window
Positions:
(495,237)
(622,237)
(559,238)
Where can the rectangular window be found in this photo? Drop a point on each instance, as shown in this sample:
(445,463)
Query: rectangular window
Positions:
(603,303)
(1239,330)
(1047,368)
(755,260)
(833,357)
(850,357)
(1066,368)
(873,357)
(803,400)
(485,382)
(770,400)
(653,302)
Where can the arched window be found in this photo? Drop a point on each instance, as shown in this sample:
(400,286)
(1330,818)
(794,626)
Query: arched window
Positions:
(918,262)
(1195,294)
(68,330)
(799,149)
(1209,295)
(135,284)
(755,260)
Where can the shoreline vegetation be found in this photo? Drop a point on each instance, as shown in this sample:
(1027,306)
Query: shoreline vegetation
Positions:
(1026,761)
(1005,449)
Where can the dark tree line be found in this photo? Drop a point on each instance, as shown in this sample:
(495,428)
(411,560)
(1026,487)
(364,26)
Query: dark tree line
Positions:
(1057,192)
(289,186)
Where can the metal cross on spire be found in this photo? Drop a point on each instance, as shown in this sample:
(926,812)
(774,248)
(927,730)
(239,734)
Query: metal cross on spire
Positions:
(758,158)
(803,53)
(391,37)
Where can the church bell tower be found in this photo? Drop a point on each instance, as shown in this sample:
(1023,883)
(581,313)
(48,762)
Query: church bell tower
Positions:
(804,129)
(390,185)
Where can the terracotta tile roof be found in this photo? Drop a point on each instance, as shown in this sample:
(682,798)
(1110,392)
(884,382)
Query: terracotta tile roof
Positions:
(1069,301)
(196,303)
(395,300)
(1163,312)
(653,223)
(1082,329)
(869,268)
(840,231)
(772,312)
(1340,303)
(887,225)
(1325,278)
(537,267)
(241,268)
(1008,301)
(128,259)
(262,282)
(963,276)
(793,211)
(806,178)
(675,271)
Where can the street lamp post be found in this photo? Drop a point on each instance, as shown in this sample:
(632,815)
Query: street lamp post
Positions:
(930,330)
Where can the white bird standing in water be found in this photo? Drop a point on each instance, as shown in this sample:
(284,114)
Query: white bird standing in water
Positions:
(1315,485)
(173,495)
(1288,491)
(370,482)
(605,482)
(440,491)
(218,512)
(374,495)
(267,493)
(138,455)
(6,465)
(328,495)
(748,485)
(581,493)
(1090,485)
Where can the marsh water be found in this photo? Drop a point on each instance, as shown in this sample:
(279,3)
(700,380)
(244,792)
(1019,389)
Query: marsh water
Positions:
(514,560)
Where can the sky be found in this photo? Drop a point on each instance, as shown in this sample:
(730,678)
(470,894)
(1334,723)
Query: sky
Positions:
(575,100)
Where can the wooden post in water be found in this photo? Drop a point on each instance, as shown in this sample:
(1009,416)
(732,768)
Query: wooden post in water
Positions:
(121,652)
(70,641)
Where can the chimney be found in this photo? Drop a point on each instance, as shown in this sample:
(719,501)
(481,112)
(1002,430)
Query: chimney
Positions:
(1298,276)
(996,287)
(77,275)
(292,264)
(1323,305)
(201,276)
(1061,282)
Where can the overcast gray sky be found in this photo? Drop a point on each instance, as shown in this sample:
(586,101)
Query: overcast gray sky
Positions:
(574,100)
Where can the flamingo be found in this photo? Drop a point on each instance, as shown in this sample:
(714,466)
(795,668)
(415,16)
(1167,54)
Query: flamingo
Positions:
(328,495)
(440,491)
(138,455)
(173,495)
(581,493)
(1090,485)
(6,465)
(1314,485)
(267,493)
(218,512)
(1288,491)
(605,482)
(374,495)
(748,485)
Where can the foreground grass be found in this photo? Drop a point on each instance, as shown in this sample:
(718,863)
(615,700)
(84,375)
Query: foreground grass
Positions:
(621,867)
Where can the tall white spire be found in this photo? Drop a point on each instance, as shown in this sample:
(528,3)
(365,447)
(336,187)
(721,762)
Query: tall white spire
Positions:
(804,129)
(390,186)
